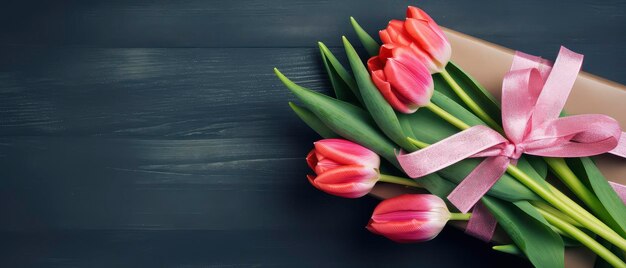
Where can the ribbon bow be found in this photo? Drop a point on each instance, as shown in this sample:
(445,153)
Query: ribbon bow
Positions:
(533,95)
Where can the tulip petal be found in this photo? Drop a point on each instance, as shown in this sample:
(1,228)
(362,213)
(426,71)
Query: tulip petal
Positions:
(347,181)
(375,63)
(415,87)
(378,77)
(347,153)
(395,34)
(417,13)
(430,39)
(347,174)
(419,202)
(311,159)
(325,164)
(407,231)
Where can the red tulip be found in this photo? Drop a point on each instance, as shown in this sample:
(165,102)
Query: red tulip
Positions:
(401,78)
(422,34)
(343,168)
(410,218)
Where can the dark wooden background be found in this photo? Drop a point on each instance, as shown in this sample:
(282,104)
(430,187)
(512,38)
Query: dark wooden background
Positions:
(154,133)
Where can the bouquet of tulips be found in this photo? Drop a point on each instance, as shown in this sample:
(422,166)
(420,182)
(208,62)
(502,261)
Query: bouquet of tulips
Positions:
(411,117)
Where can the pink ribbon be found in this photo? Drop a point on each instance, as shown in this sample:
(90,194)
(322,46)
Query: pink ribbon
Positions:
(533,96)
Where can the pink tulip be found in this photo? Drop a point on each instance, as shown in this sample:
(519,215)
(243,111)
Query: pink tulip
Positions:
(410,218)
(343,168)
(422,34)
(401,78)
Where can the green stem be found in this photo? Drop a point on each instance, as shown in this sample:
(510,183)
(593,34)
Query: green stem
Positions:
(584,239)
(555,212)
(460,216)
(567,176)
(398,180)
(447,116)
(470,103)
(582,216)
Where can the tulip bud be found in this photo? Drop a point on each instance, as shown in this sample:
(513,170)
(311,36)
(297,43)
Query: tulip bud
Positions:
(401,78)
(343,168)
(422,34)
(410,218)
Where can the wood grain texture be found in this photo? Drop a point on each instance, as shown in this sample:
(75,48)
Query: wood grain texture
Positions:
(154,133)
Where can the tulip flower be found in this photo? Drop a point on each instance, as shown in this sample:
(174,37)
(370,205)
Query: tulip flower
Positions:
(429,44)
(401,78)
(422,34)
(343,168)
(410,218)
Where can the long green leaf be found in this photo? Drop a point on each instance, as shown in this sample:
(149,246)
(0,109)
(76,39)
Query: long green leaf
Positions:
(339,76)
(342,91)
(379,109)
(589,174)
(478,93)
(368,42)
(455,109)
(312,121)
(530,232)
(344,119)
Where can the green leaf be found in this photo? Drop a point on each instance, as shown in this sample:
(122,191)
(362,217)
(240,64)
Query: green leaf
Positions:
(405,123)
(343,83)
(379,109)
(509,249)
(478,93)
(530,232)
(589,174)
(368,42)
(344,119)
(454,108)
(538,164)
(312,121)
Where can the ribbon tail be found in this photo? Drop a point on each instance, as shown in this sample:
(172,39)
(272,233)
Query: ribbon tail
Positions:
(620,190)
(478,183)
(449,151)
(620,150)
(482,224)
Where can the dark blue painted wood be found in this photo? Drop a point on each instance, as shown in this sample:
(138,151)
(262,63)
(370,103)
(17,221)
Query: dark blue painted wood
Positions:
(154,133)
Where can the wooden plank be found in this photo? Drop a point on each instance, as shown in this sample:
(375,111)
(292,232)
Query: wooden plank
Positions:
(594,28)
(241,248)
(153,92)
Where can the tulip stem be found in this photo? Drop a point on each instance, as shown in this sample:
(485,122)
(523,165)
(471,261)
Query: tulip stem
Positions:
(398,180)
(566,205)
(470,102)
(447,116)
(567,176)
(460,216)
(583,238)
